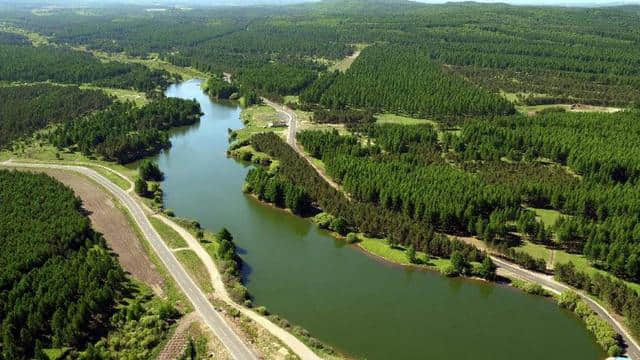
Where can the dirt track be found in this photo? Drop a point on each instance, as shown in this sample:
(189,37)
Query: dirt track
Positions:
(107,219)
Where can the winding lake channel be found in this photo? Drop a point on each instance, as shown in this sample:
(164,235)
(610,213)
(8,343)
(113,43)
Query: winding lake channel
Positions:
(356,304)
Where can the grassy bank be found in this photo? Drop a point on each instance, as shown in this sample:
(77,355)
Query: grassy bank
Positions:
(34,149)
(170,236)
(558,256)
(196,269)
(170,288)
(257,119)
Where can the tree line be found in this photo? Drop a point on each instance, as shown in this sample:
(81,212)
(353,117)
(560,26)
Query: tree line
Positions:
(8,38)
(279,191)
(448,199)
(373,220)
(623,299)
(569,54)
(277,78)
(124,132)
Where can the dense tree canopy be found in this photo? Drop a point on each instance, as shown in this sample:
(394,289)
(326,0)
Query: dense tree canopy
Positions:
(365,217)
(405,80)
(58,283)
(401,178)
(124,132)
(277,79)
(25,109)
(585,165)
(49,63)
(568,54)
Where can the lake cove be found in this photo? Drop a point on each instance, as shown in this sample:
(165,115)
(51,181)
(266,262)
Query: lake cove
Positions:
(359,306)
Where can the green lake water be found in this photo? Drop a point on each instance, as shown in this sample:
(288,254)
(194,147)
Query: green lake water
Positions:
(359,306)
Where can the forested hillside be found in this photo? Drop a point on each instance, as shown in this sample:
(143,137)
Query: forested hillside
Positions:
(25,109)
(495,167)
(124,132)
(601,148)
(404,173)
(7,38)
(556,54)
(404,80)
(27,63)
(60,288)
(58,285)
(278,79)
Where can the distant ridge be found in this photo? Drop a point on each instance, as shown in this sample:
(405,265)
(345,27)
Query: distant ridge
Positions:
(561,3)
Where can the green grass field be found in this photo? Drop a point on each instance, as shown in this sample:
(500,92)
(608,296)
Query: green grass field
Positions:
(32,149)
(55,354)
(562,257)
(532,109)
(139,98)
(242,153)
(256,119)
(345,63)
(397,255)
(170,236)
(35,38)
(547,216)
(209,241)
(152,62)
(196,268)
(292,99)
(387,118)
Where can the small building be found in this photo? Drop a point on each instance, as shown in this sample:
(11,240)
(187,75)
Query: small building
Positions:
(277,123)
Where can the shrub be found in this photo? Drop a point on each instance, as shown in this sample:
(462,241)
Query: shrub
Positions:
(150,171)
(338,225)
(238,292)
(234,312)
(261,310)
(166,311)
(450,271)
(246,156)
(352,238)
(568,300)
(141,187)
(323,220)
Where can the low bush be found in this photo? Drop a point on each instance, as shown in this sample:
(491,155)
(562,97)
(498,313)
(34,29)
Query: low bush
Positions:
(605,335)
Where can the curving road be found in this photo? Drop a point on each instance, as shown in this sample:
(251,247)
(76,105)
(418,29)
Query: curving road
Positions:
(237,348)
(292,129)
(548,282)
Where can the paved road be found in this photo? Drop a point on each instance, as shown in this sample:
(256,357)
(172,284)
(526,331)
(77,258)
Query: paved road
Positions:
(292,124)
(237,348)
(297,346)
(292,129)
(548,282)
